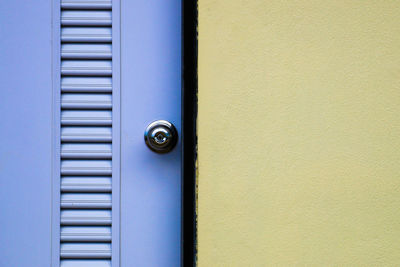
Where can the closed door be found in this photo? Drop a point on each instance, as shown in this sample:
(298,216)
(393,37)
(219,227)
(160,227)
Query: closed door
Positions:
(81,81)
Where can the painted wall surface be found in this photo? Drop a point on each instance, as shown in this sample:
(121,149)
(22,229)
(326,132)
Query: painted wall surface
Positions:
(299,133)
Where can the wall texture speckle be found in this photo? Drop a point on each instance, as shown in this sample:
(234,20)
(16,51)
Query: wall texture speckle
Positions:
(299,133)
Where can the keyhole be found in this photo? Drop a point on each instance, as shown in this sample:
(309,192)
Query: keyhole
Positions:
(160,138)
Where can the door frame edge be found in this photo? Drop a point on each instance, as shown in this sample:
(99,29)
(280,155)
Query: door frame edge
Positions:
(189,132)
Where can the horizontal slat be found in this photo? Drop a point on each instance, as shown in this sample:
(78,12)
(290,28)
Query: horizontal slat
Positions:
(86,51)
(86,85)
(86,118)
(86,151)
(86,201)
(86,67)
(85,263)
(86,4)
(85,217)
(86,101)
(86,134)
(86,34)
(86,234)
(85,184)
(86,167)
(86,250)
(86,18)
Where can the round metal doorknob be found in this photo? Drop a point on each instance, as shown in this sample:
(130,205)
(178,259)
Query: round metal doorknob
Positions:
(161,136)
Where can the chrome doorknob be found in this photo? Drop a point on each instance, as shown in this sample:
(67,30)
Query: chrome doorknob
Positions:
(161,136)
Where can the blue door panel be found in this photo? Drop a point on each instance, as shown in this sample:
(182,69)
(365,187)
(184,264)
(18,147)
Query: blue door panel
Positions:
(81,80)
(150,90)
(25,133)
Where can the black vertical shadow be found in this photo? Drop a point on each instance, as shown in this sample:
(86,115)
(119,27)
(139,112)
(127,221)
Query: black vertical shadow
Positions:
(189,136)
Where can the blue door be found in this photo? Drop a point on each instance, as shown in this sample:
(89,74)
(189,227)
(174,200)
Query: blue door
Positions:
(81,82)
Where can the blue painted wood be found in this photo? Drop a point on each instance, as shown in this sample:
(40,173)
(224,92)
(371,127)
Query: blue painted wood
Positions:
(25,133)
(89,137)
(116,133)
(150,90)
(56,135)
(78,186)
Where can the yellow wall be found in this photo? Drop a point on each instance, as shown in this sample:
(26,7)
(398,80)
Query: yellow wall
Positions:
(299,133)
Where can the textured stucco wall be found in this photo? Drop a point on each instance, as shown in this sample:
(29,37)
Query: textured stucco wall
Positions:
(299,133)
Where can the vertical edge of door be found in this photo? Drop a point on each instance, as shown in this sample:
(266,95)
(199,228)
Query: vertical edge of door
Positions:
(116,133)
(189,135)
(56,110)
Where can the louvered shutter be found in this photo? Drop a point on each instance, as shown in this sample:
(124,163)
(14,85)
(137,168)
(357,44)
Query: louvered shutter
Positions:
(86,133)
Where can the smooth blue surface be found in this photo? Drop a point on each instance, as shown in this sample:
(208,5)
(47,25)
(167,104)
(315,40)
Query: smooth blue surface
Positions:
(25,133)
(116,134)
(150,90)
